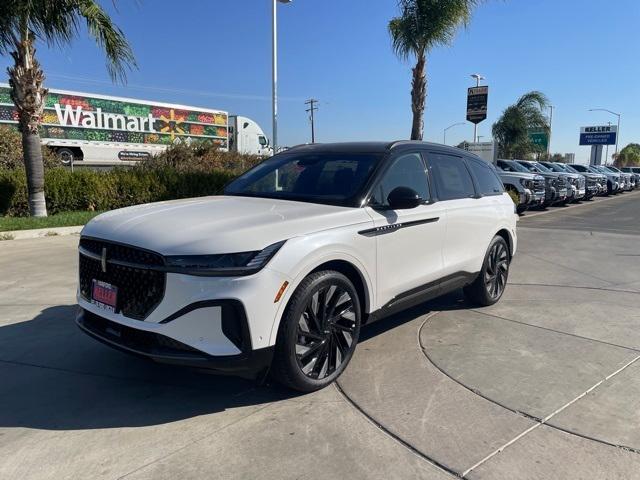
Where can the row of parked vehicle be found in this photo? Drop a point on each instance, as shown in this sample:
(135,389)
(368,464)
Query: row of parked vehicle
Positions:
(542,184)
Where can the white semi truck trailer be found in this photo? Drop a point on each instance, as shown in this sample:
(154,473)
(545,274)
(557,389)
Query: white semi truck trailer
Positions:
(102,128)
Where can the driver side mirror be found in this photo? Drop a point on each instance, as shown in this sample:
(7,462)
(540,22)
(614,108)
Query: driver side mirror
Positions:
(404,198)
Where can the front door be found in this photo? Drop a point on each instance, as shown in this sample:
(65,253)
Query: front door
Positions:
(408,241)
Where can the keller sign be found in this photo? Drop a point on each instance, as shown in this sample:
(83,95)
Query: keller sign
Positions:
(598,135)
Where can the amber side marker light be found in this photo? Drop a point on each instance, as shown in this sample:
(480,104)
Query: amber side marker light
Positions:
(281,291)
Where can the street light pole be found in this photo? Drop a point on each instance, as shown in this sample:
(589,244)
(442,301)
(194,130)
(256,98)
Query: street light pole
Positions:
(606,155)
(274,70)
(550,125)
(612,113)
(444,135)
(478,77)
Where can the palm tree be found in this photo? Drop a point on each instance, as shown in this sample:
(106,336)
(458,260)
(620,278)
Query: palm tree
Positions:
(512,129)
(56,22)
(422,25)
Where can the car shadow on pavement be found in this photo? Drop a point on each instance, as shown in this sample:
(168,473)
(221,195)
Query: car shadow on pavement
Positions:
(451,301)
(52,376)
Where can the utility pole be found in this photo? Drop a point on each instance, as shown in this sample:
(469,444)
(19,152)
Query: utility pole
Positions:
(311,110)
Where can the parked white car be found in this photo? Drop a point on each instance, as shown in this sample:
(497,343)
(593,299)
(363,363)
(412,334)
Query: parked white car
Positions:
(282,270)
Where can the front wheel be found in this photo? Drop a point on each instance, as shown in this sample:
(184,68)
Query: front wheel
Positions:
(492,280)
(318,332)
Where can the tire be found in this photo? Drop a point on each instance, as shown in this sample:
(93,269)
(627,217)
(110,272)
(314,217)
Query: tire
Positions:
(66,155)
(490,284)
(318,332)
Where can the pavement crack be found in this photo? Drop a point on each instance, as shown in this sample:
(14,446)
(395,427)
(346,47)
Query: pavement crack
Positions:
(546,419)
(102,375)
(574,270)
(584,287)
(560,332)
(369,418)
(539,421)
(193,442)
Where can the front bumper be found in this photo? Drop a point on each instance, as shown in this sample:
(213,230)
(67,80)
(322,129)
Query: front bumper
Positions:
(164,349)
(220,323)
(535,197)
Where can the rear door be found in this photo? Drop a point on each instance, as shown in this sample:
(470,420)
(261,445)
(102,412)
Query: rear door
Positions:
(408,241)
(470,217)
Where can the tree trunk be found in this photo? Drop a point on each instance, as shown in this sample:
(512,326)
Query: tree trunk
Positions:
(26,78)
(418,97)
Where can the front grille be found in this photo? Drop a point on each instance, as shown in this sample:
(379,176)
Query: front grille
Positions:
(561,182)
(538,185)
(140,289)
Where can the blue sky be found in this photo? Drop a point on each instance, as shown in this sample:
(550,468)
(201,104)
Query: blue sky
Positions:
(212,53)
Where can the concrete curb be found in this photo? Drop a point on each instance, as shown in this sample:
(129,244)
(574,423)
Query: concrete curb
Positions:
(40,232)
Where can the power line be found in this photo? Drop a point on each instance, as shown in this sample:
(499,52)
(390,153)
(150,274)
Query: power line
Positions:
(311,110)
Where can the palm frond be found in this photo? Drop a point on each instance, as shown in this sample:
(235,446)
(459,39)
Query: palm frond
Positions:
(58,22)
(424,24)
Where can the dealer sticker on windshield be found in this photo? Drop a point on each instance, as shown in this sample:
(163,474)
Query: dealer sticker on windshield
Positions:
(104,295)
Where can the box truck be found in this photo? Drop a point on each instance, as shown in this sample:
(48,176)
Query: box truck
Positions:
(104,128)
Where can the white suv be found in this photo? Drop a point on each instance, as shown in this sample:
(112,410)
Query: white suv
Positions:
(282,270)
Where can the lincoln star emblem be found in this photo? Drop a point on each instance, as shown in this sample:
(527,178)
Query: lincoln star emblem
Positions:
(103,260)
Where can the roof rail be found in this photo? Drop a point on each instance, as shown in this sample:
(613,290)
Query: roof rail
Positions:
(300,145)
(392,145)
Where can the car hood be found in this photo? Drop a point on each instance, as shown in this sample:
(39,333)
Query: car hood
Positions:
(528,176)
(219,224)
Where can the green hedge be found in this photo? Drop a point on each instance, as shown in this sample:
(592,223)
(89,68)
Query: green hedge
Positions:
(92,190)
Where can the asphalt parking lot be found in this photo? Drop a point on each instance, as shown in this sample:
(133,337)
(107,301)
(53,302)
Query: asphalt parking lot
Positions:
(543,385)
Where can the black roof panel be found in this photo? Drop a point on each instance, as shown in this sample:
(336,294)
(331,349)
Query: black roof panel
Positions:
(366,147)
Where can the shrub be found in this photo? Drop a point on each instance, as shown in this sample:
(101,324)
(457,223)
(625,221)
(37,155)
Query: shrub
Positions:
(181,171)
(93,190)
(201,157)
(11,150)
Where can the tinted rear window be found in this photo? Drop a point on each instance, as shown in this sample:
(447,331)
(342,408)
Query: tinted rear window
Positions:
(451,177)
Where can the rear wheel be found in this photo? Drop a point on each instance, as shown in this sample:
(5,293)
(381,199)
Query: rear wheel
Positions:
(492,280)
(318,332)
(66,155)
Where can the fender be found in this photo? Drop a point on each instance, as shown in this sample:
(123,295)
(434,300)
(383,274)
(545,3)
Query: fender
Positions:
(317,260)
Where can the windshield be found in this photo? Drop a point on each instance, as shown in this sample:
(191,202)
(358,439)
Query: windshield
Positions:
(553,167)
(597,169)
(512,166)
(613,169)
(528,167)
(569,168)
(542,167)
(331,178)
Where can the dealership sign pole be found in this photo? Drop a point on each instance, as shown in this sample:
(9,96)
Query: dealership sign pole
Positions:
(477,106)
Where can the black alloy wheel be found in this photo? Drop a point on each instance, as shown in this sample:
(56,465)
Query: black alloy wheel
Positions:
(495,276)
(326,330)
(318,332)
(491,282)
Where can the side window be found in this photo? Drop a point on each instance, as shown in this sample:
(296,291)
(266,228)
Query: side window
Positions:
(405,171)
(451,177)
(488,182)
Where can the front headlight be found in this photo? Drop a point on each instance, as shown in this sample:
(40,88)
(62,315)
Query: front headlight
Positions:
(526,183)
(223,264)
